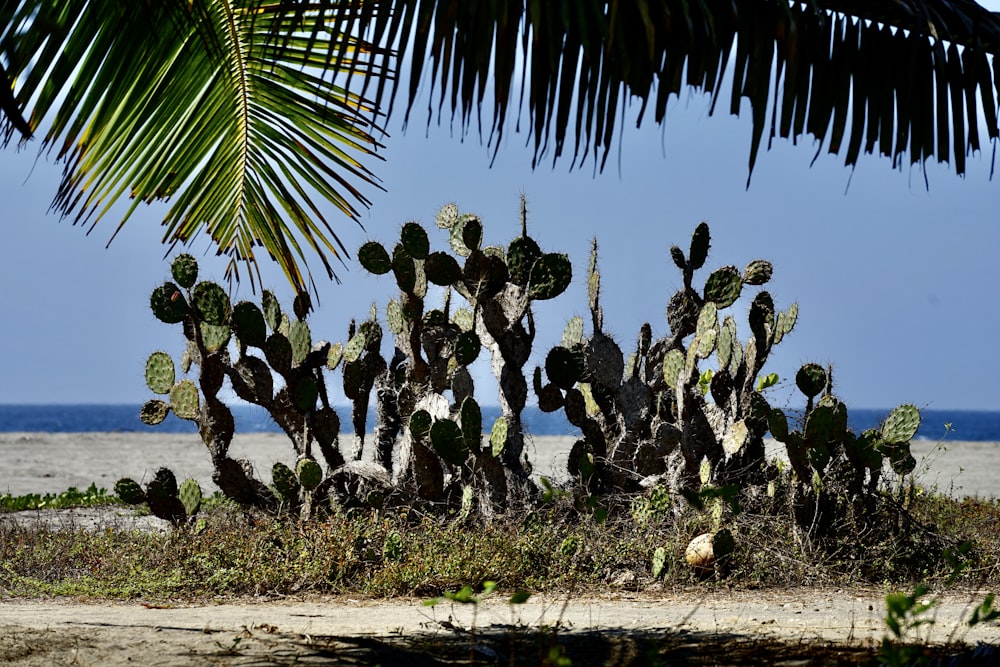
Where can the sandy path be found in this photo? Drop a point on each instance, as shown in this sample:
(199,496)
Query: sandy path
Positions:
(53,462)
(53,633)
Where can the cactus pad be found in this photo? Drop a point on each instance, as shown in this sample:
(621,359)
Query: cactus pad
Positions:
(448,441)
(190,496)
(723,287)
(550,275)
(498,436)
(309,474)
(811,379)
(278,352)
(160,373)
(673,362)
(700,242)
(168,303)
(404,269)
(165,478)
(563,367)
(467,346)
(420,424)
(249,324)
(777,423)
(211,303)
(374,258)
(129,491)
(472,424)
(214,337)
(447,216)
(184,269)
(334,356)
(464,319)
(272,309)
(300,339)
(677,255)
(757,272)
(285,482)
(304,394)
(901,425)
(154,412)
(573,333)
(184,400)
(521,256)
(442,269)
(414,239)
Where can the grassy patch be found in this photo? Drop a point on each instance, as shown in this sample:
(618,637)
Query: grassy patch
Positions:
(92,496)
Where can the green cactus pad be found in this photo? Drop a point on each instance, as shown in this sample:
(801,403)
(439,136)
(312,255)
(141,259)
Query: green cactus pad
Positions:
(278,352)
(811,379)
(550,275)
(302,305)
(700,243)
(673,363)
(677,255)
(442,269)
(310,474)
(706,330)
(154,412)
(464,319)
(272,310)
(374,258)
(165,478)
(285,482)
(901,425)
(160,372)
(777,423)
(214,337)
(819,426)
(304,394)
(414,239)
(472,231)
(498,436)
(471,417)
(190,496)
(420,424)
(521,256)
(725,341)
(404,269)
(355,348)
(334,355)
(394,316)
(901,459)
(723,287)
(184,400)
(211,303)
(467,347)
(300,339)
(448,441)
(447,217)
(249,324)
(563,367)
(168,303)
(129,491)
(326,425)
(761,316)
(573,333)
(785,322)
(757,272)
(184,269)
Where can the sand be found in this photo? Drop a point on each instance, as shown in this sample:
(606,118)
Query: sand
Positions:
(52,462)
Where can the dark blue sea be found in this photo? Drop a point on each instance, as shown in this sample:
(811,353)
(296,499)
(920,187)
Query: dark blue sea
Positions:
(964,425)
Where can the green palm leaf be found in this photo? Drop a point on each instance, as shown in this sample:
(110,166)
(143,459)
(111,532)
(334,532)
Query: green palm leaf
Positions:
(245,136)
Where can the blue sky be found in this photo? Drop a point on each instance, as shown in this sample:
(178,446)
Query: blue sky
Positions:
(896,284)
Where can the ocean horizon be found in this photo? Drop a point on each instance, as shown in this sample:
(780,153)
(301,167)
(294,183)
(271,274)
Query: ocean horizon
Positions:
(970,425)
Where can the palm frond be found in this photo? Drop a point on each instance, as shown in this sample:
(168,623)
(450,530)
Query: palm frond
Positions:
(886,76)
(195,104)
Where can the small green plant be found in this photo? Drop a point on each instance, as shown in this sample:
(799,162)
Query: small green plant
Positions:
(92,496)
(905,613)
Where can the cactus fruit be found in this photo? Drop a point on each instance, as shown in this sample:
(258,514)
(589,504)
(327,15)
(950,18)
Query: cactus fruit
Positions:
(414,240)
(810,379)
(309,473)
(723,287)
(550,275)
(190,496)
(211,303)
(184,269)
(901,425)
(160,373)
(168,303)
(153,412)
(129,491)
(374,258)
(184,400)
(249,324)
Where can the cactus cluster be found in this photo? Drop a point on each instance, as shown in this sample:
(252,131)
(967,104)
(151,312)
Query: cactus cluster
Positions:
(167,500)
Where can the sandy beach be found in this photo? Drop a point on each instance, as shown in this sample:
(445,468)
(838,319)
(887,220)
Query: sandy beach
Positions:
(53,462)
